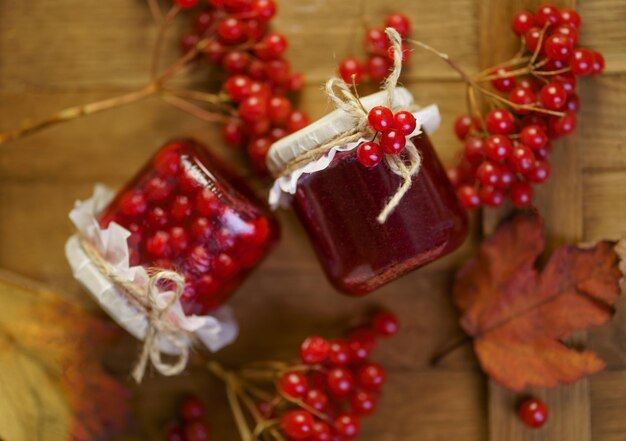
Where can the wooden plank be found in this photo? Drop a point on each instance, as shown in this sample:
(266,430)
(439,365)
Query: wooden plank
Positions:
(563,220)
(608,401)
(601,127)
(604,204)
(603,30)
(91,147)
(97,57)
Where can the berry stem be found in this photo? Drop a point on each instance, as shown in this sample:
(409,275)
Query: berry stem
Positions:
(539,43)
(303,405)
(497,97)
(193,109)
(448,349)
(240,418)
(155,10)
(517,60)
(158,44)
(218,100)
(30,127)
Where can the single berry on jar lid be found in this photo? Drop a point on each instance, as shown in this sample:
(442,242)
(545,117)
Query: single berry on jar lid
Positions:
(392,142)
(380,118)
(404,122)
(369,154)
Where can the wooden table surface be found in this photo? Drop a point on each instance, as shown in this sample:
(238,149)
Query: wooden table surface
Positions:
(64,52)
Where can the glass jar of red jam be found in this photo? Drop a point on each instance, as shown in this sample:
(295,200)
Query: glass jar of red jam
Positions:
(338,205)
(188,213)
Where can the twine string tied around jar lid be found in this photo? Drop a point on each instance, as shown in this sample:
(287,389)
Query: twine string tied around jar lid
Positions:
(159,327)
(343,97)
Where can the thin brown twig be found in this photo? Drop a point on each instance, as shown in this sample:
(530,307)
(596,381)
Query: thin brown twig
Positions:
(448,349)
(29,126)
(519,106)
(539,43)
(220,101)
(240,418)
(192,109)
(512,62)
(304,406)
(158,45)
(552,72)
(155,10)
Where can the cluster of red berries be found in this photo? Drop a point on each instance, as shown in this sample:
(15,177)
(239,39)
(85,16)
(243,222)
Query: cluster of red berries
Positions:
(337,385)
(391,131)
(259,77)
(191,425)
(379,53)
(533,413)
(507,149)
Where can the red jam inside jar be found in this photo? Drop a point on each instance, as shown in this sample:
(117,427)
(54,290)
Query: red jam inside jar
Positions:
(338,207)
(339,203)
(188,213)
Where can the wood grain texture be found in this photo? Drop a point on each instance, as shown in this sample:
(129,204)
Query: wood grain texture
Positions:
(67,52)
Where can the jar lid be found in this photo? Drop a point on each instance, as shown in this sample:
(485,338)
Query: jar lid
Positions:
(326,128)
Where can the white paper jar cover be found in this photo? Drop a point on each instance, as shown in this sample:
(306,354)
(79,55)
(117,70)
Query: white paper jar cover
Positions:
(215,330)
(328,127)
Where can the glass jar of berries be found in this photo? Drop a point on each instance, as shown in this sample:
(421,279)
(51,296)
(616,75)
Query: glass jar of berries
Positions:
(186,212)
(339,197)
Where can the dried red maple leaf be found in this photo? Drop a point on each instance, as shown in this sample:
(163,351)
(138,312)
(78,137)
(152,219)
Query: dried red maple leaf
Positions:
(518,316)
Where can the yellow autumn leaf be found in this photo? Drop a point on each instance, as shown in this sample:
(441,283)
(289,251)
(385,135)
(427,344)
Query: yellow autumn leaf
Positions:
(52,386)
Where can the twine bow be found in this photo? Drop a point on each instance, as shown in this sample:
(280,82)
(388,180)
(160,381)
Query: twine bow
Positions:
(342,96)
(160,329)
